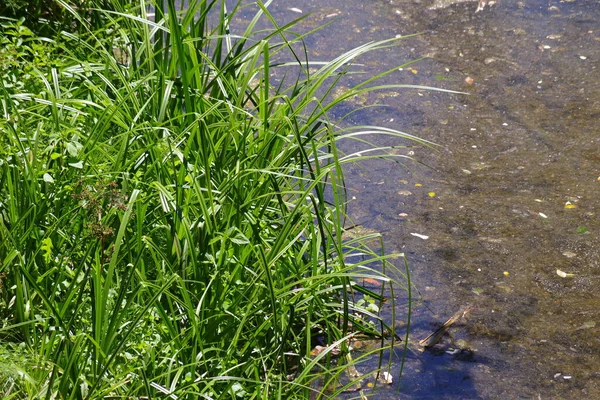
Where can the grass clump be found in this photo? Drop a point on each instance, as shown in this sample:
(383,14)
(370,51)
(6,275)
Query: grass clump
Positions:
(171,219)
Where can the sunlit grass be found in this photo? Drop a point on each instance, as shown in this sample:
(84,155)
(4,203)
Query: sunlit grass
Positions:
(172,218)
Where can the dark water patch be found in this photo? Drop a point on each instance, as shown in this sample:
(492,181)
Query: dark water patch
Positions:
(517,80)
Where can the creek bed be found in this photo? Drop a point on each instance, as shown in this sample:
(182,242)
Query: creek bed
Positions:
(509,202)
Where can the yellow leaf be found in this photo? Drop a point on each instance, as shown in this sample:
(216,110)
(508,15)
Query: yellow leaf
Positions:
(506,273)
(414,71)
(418,185)
(431,194)
(568,204)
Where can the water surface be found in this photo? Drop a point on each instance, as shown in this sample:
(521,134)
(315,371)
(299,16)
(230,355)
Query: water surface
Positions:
(509,201)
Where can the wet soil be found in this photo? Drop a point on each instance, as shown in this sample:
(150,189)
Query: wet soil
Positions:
(509,199)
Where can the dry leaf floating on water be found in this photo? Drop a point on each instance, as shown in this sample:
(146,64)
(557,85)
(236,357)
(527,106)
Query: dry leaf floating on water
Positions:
(563,274)
(387,378)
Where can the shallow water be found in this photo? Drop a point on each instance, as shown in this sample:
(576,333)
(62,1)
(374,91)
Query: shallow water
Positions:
(509,198)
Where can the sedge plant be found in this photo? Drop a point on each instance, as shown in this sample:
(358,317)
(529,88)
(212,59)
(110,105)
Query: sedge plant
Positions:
(172,217)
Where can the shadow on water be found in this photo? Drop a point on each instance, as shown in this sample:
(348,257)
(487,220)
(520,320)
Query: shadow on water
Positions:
(510,199)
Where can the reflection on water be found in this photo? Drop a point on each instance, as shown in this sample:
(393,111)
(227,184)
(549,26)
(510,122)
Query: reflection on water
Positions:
(510,203)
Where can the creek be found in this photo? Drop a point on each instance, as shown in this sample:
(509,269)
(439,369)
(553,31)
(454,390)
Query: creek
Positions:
(509,200)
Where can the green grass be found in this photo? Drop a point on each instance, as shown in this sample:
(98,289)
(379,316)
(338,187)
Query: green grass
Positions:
(172,218)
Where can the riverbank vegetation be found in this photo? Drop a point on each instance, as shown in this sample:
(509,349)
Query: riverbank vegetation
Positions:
(172,217)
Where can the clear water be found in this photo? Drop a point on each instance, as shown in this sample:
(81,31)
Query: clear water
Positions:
(511,196)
